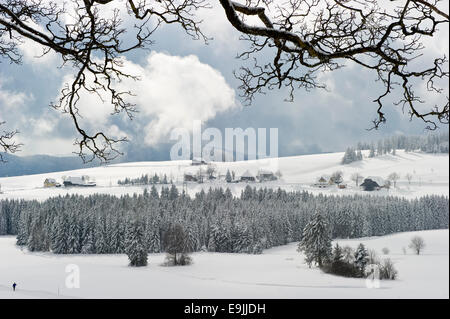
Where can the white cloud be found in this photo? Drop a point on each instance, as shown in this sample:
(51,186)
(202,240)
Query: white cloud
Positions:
(175,91)
(12,99)
(172,92)
(51,145)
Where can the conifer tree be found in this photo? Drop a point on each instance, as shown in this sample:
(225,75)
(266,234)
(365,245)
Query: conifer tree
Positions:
(361,258)
(154,192)
(136,249)
(316,241)
(228,177)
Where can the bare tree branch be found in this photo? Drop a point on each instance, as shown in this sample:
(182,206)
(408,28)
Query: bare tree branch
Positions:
(309,37)
(291,43)
(7,143)
(93,46)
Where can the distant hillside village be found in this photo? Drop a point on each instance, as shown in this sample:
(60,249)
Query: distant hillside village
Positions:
(205,172)
(370,183)
(201,171)
(70,181)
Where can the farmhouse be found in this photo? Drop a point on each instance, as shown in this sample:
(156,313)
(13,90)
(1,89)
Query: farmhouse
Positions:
(188,177)
(198,161)
(321,183)
(51,182)
(370,185)
(82,181)
(266,176)
(247,177)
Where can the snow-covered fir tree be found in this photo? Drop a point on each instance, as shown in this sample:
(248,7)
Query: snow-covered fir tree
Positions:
(261,219)
(316,241)
(136,249)
(361,258)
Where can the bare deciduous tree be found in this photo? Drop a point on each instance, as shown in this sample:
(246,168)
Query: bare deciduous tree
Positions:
(176,242)
(337,177)
(356,177)
(417,244)
(409,177)
(394,178)
(210,171)
(302,38)
(7,142)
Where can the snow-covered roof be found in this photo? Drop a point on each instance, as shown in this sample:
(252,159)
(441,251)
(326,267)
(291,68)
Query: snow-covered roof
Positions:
(198,160)
(189,174)
(74,179)
(379,180)
(247,174)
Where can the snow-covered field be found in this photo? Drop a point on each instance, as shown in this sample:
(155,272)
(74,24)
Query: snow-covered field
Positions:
(278,273)
(430,175)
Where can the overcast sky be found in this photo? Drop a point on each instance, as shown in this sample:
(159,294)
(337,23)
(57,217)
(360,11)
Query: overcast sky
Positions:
(185,80)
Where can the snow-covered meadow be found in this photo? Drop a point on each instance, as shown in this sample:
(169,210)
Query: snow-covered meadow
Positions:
(430,175)
(278,273)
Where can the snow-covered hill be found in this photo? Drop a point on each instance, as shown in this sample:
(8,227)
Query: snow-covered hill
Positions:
(278,273)
(430,175)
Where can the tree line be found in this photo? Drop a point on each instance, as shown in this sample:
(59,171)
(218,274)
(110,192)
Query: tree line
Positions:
(211,221)
(145,179)
(431,143)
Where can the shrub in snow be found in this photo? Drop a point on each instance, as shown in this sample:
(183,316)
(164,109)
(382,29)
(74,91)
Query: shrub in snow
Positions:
(372,257)
(387,270)
(178,260)
(348,254)
(338,266)
(341,268)
(385,251)
(417,244)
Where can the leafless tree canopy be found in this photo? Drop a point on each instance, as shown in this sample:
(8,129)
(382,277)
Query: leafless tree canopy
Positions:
(417,244)
(7,142)
(290,44)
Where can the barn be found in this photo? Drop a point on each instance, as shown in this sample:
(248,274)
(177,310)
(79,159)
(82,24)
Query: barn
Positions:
(51,182)
(190,177)
(370,185)
(78,181)
(198,161)
(247,177)
(266,176)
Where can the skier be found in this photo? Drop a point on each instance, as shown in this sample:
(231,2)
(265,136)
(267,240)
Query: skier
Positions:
(14,286)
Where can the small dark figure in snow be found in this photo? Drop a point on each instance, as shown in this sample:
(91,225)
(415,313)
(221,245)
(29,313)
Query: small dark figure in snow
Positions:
(14,286)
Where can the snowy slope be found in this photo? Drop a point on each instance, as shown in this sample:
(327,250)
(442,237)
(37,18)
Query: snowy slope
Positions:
(430,175)
(278,273)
